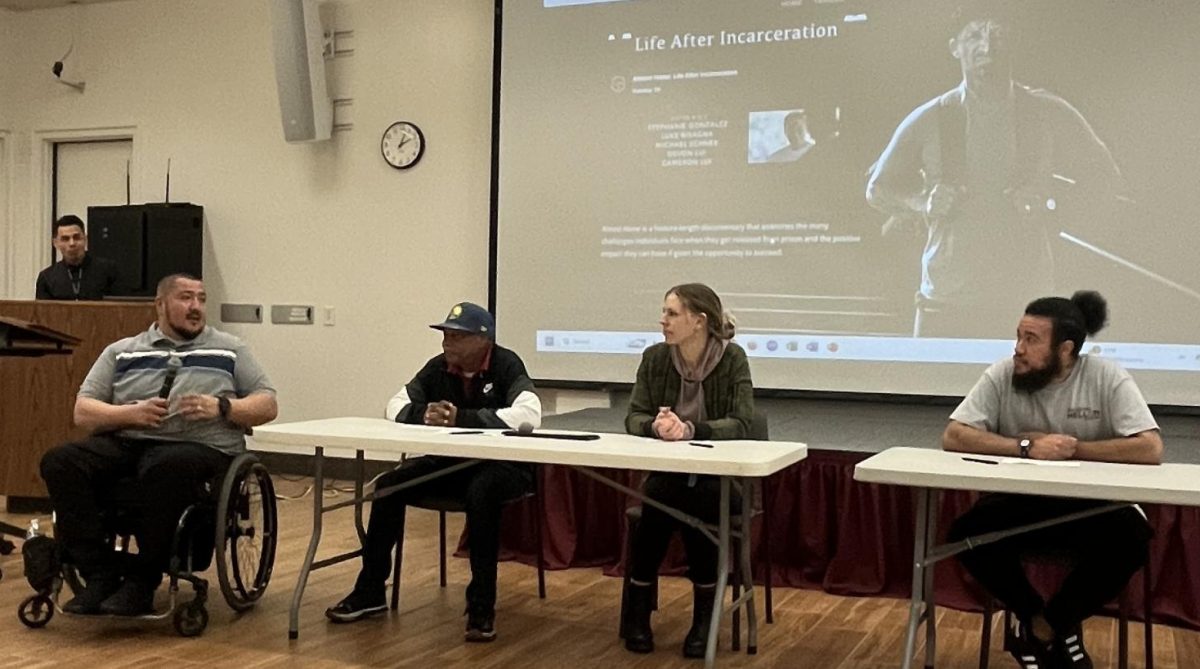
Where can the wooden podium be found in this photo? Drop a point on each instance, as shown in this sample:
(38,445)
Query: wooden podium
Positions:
(41,369)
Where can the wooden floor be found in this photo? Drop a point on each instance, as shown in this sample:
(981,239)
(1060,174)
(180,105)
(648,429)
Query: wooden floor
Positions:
(574,627)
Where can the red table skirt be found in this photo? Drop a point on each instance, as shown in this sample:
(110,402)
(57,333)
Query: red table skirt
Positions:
(830,532)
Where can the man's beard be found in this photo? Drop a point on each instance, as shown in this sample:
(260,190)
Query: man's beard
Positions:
(188,335)
(1036,379)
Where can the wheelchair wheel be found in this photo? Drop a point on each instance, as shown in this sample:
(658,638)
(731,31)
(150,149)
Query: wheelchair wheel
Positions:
(36,610)
(190,619)
(247,530)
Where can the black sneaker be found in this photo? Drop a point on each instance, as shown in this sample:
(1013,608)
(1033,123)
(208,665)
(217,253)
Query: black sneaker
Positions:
(132,599)
(1029,651)
(1070,651)
(87,601)
(481,625)
(356,606)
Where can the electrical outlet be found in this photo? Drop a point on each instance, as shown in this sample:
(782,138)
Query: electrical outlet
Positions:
(330,316)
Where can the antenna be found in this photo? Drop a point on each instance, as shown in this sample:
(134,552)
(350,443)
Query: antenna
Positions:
(127,199)
(167,197)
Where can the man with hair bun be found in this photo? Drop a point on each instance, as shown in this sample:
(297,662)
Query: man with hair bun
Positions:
(1049,402)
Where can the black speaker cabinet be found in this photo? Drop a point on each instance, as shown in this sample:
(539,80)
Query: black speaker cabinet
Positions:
(148,242)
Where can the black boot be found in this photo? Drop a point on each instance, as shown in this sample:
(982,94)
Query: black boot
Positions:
(638,636)
(703,600)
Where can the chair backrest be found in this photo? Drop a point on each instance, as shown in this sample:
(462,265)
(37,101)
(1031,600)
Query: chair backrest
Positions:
(759,429)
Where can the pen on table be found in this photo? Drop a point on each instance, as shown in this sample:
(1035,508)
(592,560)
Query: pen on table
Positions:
(981,460)
(700,444)
(468,432)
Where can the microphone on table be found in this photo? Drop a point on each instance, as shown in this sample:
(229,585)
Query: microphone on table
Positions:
(525,429)
(173,365)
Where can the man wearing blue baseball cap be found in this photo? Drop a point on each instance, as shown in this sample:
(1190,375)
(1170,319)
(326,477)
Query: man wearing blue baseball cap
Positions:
(473,383)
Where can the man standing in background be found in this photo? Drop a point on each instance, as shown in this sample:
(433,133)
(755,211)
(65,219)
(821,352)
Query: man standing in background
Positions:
(79,275)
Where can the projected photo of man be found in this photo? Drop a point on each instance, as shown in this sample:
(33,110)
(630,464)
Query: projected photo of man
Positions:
(780,136)
(976,172)
(800,140)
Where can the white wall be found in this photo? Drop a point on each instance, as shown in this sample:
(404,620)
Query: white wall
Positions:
(7,55)
(327,224)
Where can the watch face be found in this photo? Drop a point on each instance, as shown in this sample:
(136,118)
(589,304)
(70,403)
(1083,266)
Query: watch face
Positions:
(402,145)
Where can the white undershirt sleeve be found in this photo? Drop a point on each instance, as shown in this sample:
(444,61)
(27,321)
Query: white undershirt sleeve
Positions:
(526,408)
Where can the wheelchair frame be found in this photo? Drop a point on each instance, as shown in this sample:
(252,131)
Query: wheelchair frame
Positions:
(231,524)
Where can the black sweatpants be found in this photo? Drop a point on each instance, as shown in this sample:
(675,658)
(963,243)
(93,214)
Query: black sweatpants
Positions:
(484,488)
(169,476)
(1105,550)
(653,535)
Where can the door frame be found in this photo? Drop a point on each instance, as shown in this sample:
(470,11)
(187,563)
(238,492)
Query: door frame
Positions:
(43,177)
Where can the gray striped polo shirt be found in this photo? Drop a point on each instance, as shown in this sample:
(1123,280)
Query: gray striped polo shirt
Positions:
(214,363)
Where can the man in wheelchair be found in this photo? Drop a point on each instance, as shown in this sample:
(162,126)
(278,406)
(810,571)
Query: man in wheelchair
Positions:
(169,409)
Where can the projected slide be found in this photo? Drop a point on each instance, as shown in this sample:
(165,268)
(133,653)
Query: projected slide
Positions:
(870,184)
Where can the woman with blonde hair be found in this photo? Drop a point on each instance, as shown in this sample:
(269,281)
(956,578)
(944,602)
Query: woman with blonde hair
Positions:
(695,385)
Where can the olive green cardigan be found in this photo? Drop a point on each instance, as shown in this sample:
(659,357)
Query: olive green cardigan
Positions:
(728,394)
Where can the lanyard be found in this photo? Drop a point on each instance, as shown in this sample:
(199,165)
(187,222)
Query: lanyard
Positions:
(76,281)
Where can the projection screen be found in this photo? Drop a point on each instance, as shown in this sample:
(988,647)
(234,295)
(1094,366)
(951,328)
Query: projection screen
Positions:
(876,188)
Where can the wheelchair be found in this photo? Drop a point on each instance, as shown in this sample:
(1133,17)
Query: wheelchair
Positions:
(235,521)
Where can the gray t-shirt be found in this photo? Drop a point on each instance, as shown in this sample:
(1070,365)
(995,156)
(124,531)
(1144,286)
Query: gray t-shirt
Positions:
(1099,400)
(214,363)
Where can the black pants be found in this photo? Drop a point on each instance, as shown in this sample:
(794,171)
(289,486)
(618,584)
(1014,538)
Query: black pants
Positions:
(1104,550)
(653,534)
(484,488)
(81,478)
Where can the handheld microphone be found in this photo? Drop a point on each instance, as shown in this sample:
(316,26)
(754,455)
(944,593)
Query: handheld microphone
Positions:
(173,365)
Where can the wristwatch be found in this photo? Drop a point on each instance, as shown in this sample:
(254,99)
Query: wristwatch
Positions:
(1025,444)
(223,407)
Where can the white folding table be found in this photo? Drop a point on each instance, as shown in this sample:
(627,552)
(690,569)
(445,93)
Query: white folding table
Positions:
(741,460)
(930,470)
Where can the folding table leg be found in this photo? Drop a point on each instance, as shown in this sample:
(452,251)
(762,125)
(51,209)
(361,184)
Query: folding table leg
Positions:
(714,628)
(917,607)
(748,573)
(313,542)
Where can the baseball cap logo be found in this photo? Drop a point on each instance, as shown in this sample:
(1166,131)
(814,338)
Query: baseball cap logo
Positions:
(455,312)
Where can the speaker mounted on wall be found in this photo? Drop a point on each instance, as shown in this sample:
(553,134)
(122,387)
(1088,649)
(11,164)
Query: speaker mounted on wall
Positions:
(298,43)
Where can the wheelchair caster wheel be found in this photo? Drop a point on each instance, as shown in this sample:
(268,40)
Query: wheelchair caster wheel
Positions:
(190,619)
(36,611)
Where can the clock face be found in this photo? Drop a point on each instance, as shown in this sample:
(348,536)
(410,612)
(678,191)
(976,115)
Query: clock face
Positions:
(402,145)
